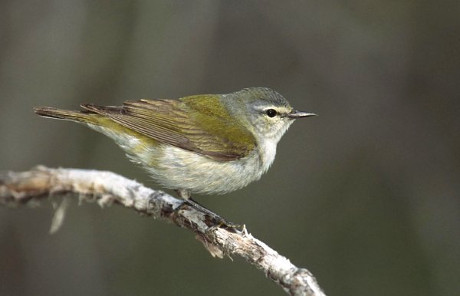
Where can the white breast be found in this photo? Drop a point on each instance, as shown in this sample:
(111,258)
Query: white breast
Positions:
(176,168)
(181,169)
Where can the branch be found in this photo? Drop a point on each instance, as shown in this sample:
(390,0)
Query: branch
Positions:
(20,188)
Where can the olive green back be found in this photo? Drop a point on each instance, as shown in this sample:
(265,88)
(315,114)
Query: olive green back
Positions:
(196,123)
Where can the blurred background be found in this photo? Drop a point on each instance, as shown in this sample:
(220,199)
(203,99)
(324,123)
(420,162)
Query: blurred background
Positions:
(366,196)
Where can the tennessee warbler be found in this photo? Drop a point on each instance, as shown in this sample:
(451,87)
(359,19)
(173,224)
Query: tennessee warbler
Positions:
(212,144)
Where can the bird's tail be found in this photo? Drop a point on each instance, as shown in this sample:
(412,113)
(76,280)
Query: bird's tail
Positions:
(78,116)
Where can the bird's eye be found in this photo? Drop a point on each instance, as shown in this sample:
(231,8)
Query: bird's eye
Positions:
(271,112)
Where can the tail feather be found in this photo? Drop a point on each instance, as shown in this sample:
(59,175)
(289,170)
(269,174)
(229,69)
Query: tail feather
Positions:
(101,109)
(78,116)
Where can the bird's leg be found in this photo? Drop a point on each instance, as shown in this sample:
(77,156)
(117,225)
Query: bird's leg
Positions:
(217,220)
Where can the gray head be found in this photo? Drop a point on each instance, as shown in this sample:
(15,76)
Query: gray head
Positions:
(266,113)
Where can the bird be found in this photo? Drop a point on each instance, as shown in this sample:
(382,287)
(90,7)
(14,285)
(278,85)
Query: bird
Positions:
(199,144)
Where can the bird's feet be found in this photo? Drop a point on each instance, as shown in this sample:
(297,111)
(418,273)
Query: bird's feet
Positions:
(214,219)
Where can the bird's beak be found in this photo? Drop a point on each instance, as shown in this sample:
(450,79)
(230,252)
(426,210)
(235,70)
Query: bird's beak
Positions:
(299,114)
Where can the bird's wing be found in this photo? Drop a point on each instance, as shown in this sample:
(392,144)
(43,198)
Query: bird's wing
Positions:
(200,125)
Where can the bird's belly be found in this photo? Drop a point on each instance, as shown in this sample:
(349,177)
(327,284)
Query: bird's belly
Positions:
(181,169)
(176,168)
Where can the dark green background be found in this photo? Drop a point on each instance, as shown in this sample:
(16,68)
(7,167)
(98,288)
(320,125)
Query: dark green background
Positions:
(366,195)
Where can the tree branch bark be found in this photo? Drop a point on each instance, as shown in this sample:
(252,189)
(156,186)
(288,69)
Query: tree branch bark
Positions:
(20,188)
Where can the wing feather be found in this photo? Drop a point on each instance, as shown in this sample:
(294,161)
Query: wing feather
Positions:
(202,126)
